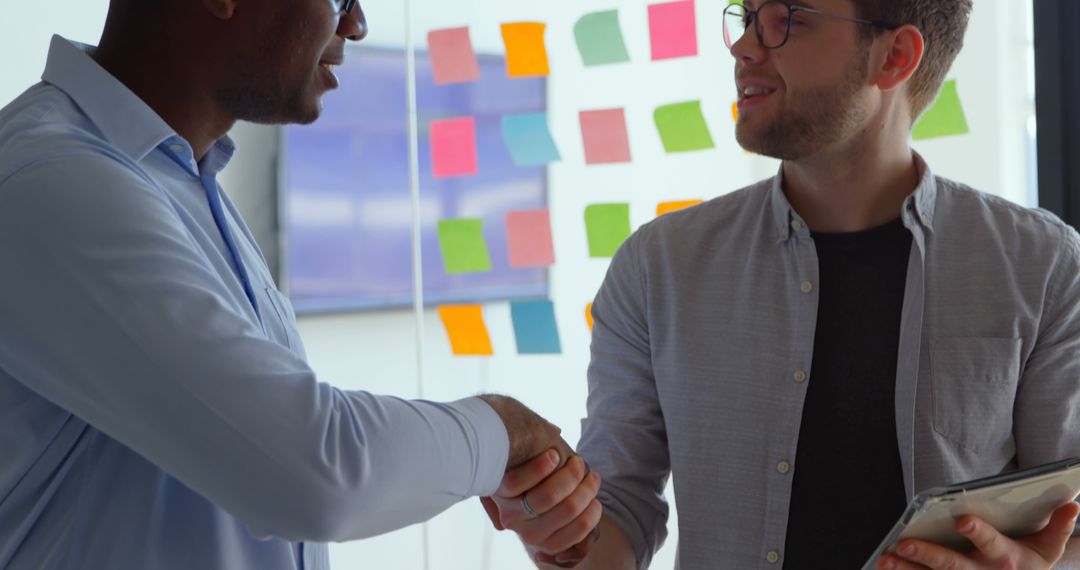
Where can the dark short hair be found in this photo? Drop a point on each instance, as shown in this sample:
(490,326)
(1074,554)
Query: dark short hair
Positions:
(942,23)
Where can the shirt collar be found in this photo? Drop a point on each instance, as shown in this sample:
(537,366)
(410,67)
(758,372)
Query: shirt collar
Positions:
(124,120)
(918,207)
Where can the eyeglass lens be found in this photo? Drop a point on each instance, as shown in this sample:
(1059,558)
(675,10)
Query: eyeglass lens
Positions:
(770,21)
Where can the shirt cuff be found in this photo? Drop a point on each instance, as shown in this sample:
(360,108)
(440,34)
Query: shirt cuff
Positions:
(492,444)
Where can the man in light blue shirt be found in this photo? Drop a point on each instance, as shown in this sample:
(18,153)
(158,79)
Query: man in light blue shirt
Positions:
(156,409)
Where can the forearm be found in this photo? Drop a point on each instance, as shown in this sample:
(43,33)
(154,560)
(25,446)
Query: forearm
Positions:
(612,551)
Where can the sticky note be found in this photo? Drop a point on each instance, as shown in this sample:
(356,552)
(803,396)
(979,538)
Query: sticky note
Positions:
(529,139)
(453,147)
(600,39)
(452,57)
(605,136)
(668,207)
(944,118)
(735,111)
(607,227)
(526,52)
(534,327)
(673,30)
(465,326)
(588,315)
(463,247)
(682,127)
(528,233)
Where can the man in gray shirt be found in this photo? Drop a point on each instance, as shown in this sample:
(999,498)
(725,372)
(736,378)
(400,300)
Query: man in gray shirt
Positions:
(724,357)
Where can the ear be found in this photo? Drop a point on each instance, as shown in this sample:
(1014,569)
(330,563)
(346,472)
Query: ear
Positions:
(904,49)
(221,9)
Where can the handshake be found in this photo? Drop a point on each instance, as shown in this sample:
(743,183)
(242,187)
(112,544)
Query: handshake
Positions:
(548,495)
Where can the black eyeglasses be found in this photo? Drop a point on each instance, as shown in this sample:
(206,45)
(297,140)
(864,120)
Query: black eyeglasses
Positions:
(772,22)
(343,6)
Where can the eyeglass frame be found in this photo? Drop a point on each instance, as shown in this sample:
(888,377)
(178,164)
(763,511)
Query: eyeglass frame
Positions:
(343,8)
(791,10)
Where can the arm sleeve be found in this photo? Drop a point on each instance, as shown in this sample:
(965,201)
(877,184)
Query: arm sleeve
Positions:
(110,311)
(624,437)
(1047,411)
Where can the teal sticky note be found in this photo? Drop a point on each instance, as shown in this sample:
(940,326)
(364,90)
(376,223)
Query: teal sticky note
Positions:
(600,39)
(529,139)
(535,329)
(682,127)
(607,227)
(463,247)
(944,118)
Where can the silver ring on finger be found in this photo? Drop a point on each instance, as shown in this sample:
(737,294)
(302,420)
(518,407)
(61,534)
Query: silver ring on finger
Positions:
(529,512)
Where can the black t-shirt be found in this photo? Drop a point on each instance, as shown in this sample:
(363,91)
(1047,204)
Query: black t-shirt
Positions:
(848,487)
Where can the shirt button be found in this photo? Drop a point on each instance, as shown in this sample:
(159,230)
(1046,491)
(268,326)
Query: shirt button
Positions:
(926,219)
(796,225)
(800,376)
(773,557)
(176,148)
(807,287)
(783,467)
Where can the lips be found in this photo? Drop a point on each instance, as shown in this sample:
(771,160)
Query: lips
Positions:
(753,92)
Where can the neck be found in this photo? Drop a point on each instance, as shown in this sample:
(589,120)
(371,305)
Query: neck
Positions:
(859,187)
(164,79)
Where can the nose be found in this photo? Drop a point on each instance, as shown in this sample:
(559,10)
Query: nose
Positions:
(748,49)
(353,25)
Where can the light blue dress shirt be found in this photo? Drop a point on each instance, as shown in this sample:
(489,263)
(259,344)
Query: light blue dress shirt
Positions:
(152,416)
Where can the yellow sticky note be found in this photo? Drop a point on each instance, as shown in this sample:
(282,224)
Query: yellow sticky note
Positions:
(668,207)
(526,52)
(465,326)
(588,315)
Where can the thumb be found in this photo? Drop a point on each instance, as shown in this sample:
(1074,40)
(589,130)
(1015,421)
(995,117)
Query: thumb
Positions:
(1049,543)
(492,511)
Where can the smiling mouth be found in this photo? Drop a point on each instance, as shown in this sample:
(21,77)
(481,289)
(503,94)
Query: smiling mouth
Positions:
(327,67)
(752,91)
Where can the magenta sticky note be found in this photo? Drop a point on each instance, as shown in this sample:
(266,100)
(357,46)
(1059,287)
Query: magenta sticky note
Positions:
(452,57)
(673,29)
(528,233)
(453,147)
(605,136)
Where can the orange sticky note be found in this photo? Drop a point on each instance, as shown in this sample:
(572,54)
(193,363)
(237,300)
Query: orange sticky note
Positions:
(526,53)
(465,326)
(668,207)
(735,111)
(588,315)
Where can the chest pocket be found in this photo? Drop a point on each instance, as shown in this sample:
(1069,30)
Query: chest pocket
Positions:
(278,320)
(974,383)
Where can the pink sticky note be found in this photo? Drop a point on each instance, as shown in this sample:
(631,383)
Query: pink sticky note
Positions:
(605,136)
(673,29)
(452,56)
(529,235)
(453,147)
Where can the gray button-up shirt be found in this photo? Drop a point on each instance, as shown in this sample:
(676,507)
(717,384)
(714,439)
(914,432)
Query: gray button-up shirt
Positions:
(705,332)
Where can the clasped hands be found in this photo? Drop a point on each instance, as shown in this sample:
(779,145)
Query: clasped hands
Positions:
(548,494)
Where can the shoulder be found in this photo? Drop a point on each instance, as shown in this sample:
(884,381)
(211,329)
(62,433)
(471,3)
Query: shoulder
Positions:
(730,215)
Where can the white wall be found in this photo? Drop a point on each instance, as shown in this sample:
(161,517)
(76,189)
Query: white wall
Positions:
(378,351)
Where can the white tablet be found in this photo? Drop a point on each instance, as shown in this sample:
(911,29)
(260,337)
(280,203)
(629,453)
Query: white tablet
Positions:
(1017,504)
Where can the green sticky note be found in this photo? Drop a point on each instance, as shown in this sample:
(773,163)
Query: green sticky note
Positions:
(944,118)
(608,226)
(682,127)
(463,247)
(600,39)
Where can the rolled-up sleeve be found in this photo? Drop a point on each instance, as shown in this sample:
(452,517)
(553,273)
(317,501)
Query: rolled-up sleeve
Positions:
(110,311)
(623,437)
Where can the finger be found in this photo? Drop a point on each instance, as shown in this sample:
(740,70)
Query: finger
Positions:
(932,556)
(580,551)
(564,526)
(1050,542)
(890,562)
(556,488)
(991,543)
(492,511)
(575,533)
(532,473)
